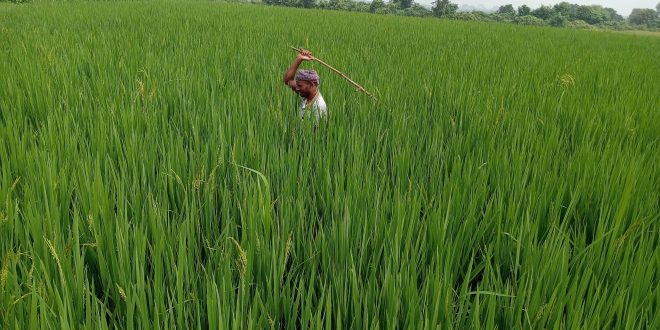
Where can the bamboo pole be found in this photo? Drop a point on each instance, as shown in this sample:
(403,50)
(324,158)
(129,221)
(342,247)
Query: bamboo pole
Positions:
(360,88)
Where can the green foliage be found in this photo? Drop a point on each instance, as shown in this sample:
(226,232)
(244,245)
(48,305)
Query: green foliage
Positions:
(616,25)
(376,5)
(403,4)
(357,6)
(506,9)
(347,5)
(416,11)
(558,20)
(579,24)
(592,14)
(444,8)
(642,16)
(338,4)
(154,173)
(465,16)
(613,15)
(559,15)
(543,12)
(383,11)
(307,3)
(566,9)
(529,20)
(524,10)
(506,18)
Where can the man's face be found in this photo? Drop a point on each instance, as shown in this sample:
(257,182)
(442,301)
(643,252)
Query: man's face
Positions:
(304,88)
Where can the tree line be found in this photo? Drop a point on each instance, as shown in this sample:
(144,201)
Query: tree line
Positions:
(563,14)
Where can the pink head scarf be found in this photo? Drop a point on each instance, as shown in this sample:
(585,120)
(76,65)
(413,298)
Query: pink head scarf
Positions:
(308,75)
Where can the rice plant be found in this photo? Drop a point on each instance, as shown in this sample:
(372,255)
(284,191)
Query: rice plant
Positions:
(154,172)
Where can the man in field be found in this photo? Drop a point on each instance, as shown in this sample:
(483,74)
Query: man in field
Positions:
(306,84)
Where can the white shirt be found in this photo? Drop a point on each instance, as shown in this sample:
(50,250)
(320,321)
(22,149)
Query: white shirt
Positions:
(317,107)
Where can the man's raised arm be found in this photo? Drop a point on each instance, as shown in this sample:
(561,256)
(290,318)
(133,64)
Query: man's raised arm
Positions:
(290,74)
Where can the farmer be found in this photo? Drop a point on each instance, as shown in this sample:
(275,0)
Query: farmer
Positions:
(306,84)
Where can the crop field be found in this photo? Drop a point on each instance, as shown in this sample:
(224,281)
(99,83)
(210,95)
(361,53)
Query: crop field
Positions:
(154,172)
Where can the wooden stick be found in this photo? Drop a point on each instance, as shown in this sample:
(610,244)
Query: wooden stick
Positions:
(339,73)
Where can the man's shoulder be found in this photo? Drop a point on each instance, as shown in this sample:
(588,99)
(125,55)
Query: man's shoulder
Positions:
(320,102)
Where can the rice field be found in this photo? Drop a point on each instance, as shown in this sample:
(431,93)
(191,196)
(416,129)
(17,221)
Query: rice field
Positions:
(153,172)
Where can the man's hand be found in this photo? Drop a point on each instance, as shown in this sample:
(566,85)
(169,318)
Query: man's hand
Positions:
(305,55)
(290,74)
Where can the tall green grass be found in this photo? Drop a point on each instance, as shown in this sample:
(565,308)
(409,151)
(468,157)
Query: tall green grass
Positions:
(153,172)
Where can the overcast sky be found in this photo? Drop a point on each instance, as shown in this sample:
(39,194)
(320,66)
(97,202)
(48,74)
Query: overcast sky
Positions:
(623,7)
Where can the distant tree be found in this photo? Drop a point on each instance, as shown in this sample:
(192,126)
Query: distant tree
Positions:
(307,3)
(402,4)
(558,20)
(337,4)
(543,12)
(474,15)
(617,25)
(592,14)
(642,16)
(566,9)
(405,3)
(443,8)
(529,20)
(392,7)
(382,11)
(506,9)
(579,24)
(463,16)
(358,6)
(505,18)
(614,16)
(524,10)
(416,10)
(375,5)
(657,9)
